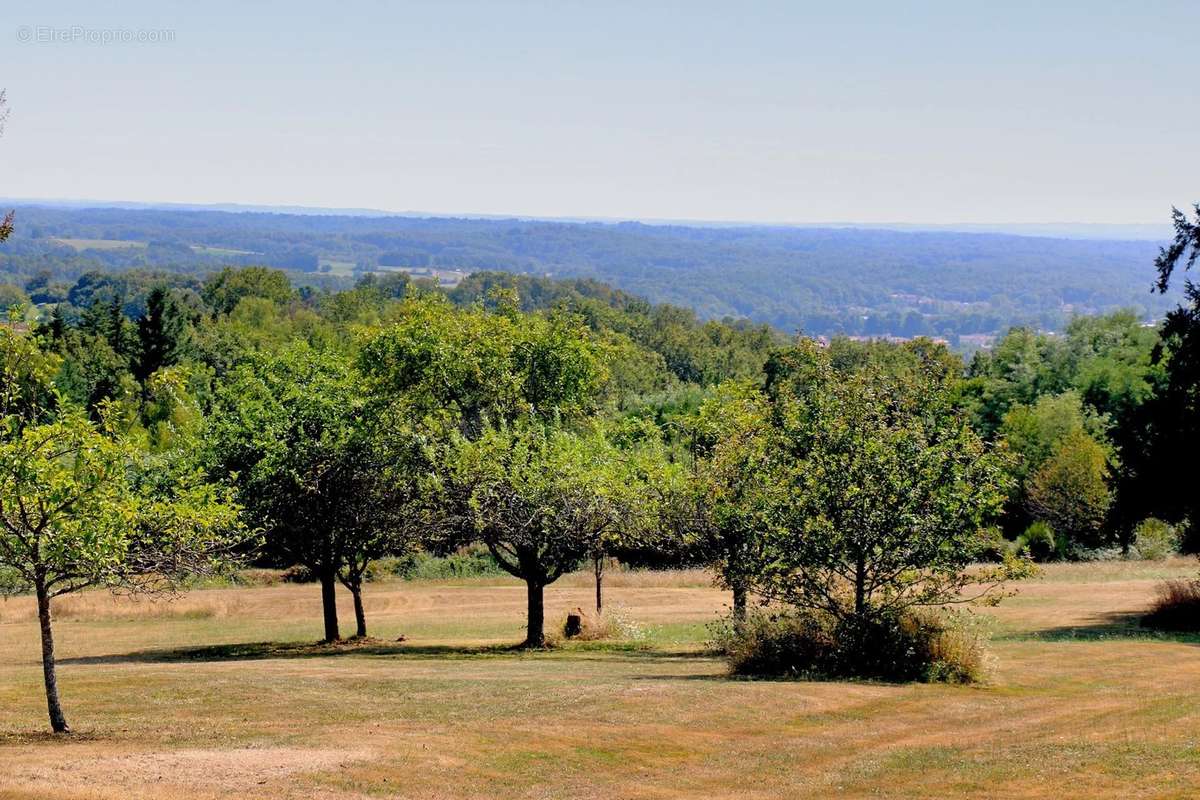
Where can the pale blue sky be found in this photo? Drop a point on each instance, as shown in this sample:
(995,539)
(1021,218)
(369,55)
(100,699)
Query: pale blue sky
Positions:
(791,112)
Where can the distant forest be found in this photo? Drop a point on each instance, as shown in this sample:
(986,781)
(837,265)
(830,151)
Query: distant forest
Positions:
(819,281)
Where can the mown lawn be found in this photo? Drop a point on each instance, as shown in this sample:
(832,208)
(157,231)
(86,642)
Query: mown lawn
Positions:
(221,694)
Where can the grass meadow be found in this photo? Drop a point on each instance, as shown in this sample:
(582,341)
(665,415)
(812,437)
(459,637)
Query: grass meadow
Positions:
(221,694)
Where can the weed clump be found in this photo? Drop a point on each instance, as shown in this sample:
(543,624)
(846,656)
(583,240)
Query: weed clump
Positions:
(613,624)
(1177,606)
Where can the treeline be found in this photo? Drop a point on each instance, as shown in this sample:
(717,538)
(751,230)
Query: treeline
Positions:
(822,282)
(167,427)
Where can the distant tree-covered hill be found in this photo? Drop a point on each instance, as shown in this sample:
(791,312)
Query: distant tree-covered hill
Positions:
(821,281)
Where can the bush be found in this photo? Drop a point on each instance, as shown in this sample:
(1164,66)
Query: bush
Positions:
(992,545)
(256,577)
(909,646)
(1155,540)
(387,567)
(470,562)
(1176,608)
(298,573)
(1040,542)
(1077,552)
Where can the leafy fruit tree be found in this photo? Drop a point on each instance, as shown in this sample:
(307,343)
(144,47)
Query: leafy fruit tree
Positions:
(731,499)
(76,513)
(472,366)
(539,497)
(291,432)
(887,492)
(630,484)
(382,476)
(491,378)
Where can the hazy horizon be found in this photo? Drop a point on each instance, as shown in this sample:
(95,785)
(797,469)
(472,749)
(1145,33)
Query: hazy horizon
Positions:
(768,114)
(1057,229)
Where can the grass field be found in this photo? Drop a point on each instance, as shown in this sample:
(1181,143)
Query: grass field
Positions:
(337,267)
(219,695)
(102,244)
(221,251)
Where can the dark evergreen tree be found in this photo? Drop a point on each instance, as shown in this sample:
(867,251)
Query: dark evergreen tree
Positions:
(1161,470)
(162,334)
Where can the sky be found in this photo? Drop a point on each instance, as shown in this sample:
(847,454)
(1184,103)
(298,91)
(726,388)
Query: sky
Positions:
(960,112)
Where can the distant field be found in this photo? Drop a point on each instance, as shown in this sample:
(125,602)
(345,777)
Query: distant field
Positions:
(220,251)
(444,277)
(218,696)
(338,267)
(101,244)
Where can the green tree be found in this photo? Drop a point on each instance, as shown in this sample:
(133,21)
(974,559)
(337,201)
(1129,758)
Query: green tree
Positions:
(162,334)
(629,484)
(292,432)
(470,366)
(26,378)
(12,297)
(732,498)
(1112,365)
(888,491)
(1023,366)
(383,475)
(1033,434)
(223,291)
(1070,490)
(541,498)
(1164,437)
(81,509)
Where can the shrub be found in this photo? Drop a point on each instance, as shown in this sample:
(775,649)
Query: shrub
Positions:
(792,644)
(254,576)
(1177,606)
(1077,552)
(298,573)
(1039,541)
(470,562)
(909,646)
(1155,540)
(992,545)
(387,567)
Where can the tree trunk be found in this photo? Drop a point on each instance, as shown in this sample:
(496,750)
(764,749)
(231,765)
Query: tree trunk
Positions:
(360,617)
(535,630)
(598,569)
(329,606)
(58,722)
(739,604)
(860,586)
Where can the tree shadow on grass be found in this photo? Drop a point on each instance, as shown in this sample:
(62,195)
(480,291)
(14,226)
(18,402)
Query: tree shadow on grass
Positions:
(18,738)
(258,651)
(1112,626)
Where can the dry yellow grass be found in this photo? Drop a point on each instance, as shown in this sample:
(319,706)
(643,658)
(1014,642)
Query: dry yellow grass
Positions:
(206,698)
